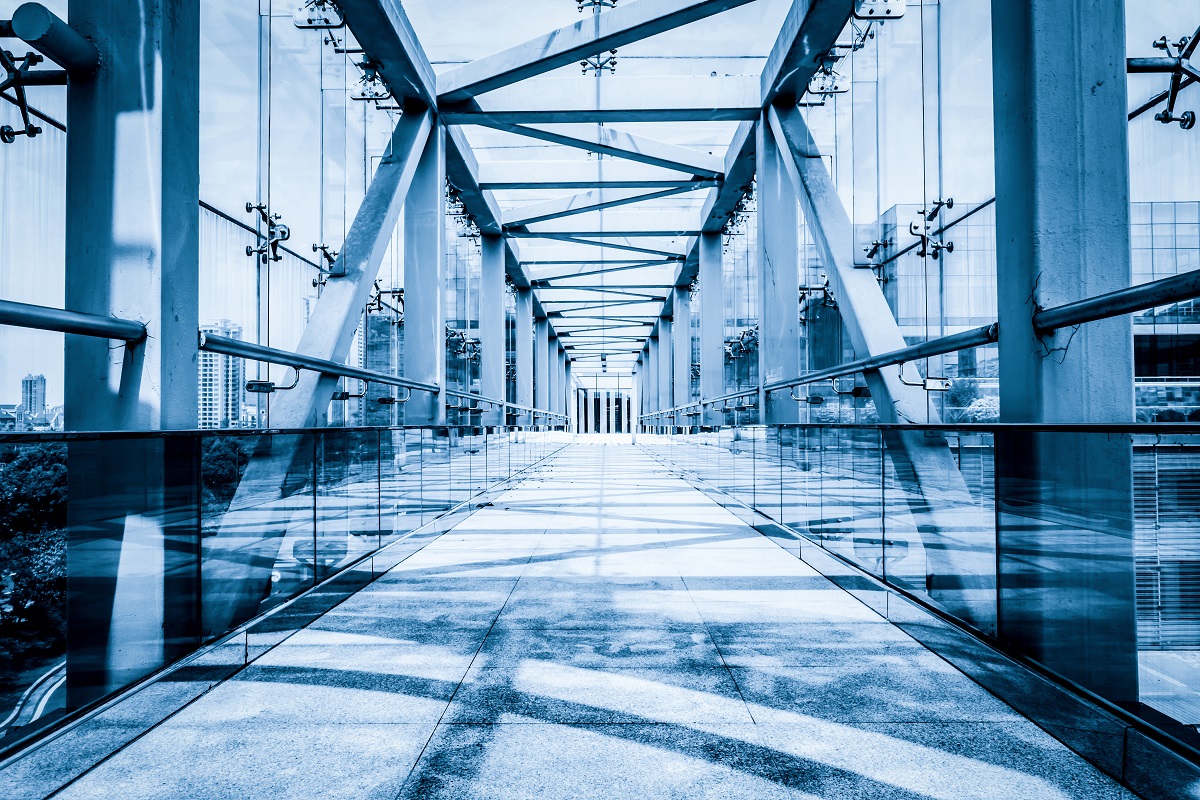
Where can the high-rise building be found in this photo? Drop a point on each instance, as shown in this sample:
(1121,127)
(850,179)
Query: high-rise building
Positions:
(222,381)
(33,395)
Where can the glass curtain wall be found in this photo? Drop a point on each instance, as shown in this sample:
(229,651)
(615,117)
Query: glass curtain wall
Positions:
(905,124)
(32,224)
(739,273)
(464,264)
(288,138)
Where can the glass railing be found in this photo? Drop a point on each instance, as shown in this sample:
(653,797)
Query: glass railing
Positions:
(122,553)
(1076,547)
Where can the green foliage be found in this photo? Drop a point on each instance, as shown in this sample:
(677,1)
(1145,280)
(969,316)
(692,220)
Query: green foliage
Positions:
(963,392)
(222,461)
(33,554)
(985,409)
(33,489)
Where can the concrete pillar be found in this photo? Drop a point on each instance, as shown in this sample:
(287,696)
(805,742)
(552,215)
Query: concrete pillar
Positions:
(651,376)
(665,329)
(639,385)
(1065,505)
(682,369)
(560,398)
(524,321)
(425,282)
(491,326)
(132,237)
(778,279)
(569,394)
(541,359)
(553,373)
(712,323)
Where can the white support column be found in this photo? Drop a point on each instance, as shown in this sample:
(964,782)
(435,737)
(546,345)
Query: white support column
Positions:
(553,373)
(524,322)
(664,367)
(712,323)
(651,377)
(682,358)
(491,326)
(425,282)
(541,358)
(778,280)
(569,399)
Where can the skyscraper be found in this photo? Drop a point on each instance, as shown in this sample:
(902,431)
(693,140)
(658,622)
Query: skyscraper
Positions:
(33,395)
(222,381)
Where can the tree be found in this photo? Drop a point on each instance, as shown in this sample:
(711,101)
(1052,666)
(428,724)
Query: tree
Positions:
(33,554)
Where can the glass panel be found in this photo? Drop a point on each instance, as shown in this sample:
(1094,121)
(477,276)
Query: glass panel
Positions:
(33,595)
(348,501)
(258,525)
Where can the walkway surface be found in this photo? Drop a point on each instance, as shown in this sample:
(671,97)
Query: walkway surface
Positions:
(602,631)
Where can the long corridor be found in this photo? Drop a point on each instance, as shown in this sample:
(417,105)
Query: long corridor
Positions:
(602,630)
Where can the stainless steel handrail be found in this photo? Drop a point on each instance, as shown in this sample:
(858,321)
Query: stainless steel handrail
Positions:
(235,347)
(24,315)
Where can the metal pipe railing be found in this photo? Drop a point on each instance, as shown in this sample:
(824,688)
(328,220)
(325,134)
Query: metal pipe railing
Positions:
(504,403)
(24,315)
(55,39)
(976,337)
(1175,289)
(257,352)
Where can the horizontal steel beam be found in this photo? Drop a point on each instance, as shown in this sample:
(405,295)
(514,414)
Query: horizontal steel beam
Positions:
(24,315)
(616,143)
(499,186)
(614,99)
(630,23)
(555,173)
(587,202)
(618,245)
(257,352)
(616,234)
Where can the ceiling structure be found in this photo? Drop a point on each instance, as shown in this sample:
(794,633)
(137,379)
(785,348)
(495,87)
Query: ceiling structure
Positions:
(601,179)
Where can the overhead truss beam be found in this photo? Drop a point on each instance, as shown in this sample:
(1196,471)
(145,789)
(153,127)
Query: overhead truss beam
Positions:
(584,203)
(614,99)
(629,23)
(384,32)
(619,144)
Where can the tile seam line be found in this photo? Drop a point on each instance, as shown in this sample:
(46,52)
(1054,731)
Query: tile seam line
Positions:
(440,721)
(175,712)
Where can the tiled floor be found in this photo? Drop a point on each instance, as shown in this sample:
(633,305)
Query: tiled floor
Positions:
(603,630)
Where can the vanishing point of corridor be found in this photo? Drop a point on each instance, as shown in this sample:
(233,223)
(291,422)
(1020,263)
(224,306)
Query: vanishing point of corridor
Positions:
(601,630)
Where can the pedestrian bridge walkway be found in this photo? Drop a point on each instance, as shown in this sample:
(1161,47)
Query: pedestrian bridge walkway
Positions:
(601,630)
